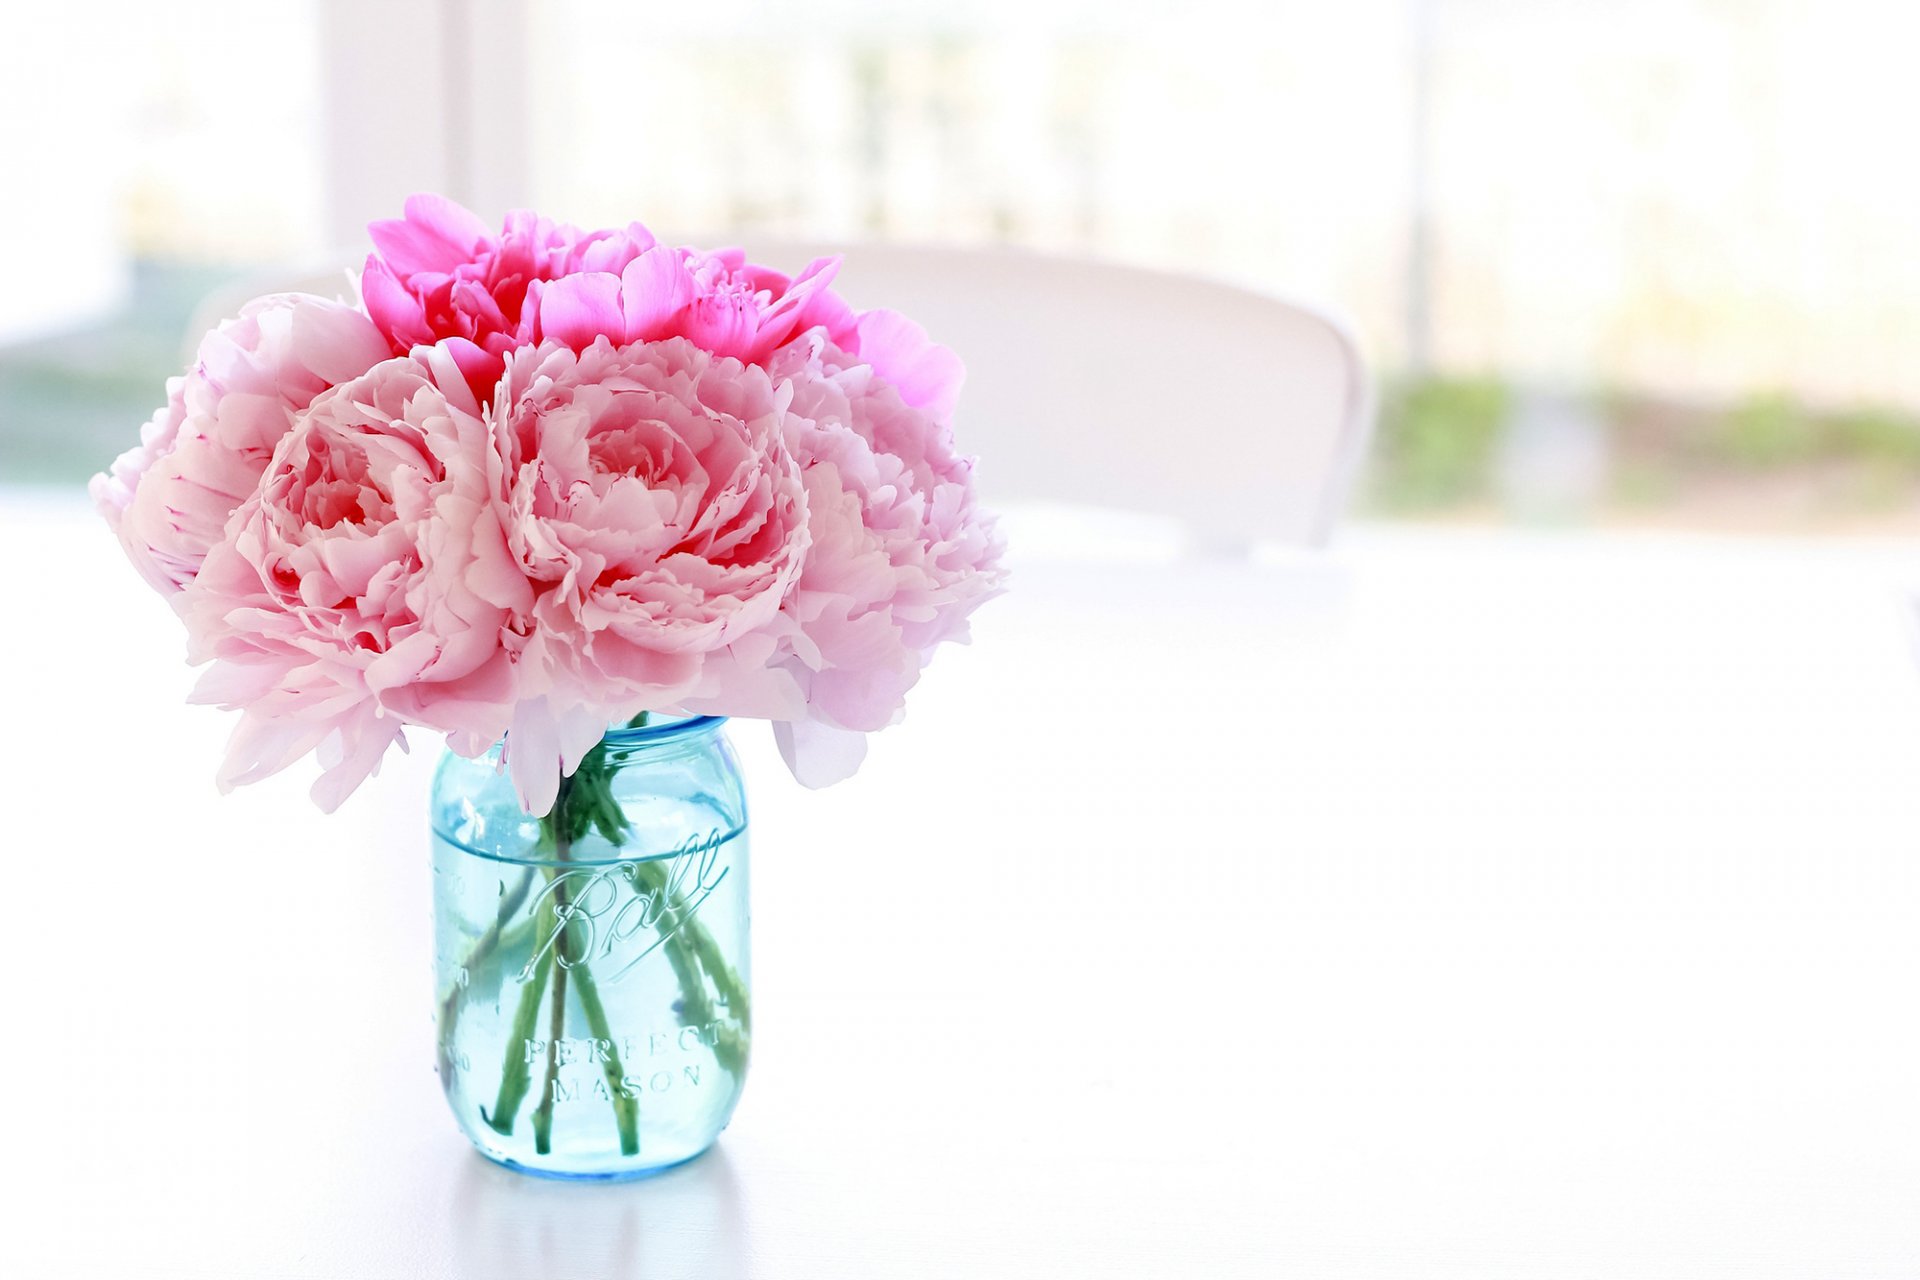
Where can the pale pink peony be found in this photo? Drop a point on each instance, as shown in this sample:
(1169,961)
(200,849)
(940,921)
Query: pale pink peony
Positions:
(655,508)
(439,274)
(366,583)
(201,456)
(900,556)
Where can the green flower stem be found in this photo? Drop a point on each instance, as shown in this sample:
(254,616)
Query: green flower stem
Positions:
(514,1073)
(556,1032)
(696,939)
(695,957)
(626,1112)
(559,905)
(696,1007)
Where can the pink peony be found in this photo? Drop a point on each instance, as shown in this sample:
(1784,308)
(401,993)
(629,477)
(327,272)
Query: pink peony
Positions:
(439,274)
(367,582)
(202,454)
(656,510)
(727,305)
(900,556)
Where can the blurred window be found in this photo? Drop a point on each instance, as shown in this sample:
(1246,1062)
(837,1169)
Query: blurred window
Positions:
(1696,211)
(152,152)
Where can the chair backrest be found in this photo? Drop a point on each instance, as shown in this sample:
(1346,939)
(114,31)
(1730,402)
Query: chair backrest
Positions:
(1241,415)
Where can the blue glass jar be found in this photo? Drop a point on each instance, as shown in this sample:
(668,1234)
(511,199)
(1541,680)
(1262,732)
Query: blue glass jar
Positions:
(594,1016)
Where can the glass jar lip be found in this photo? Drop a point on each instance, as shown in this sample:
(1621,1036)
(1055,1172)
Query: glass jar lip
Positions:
(652,735)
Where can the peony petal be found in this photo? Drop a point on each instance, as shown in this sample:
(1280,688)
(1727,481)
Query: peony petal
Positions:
(578,309)
(452,222)
(350,755)
(436,235)
(474,366)
(927,375)
(397,312)
(335,343)
(261,746)
(782,320)
(545,744)
(654,289)
(819,755)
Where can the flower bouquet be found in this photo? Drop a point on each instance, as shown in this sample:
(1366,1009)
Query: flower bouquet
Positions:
(569,498)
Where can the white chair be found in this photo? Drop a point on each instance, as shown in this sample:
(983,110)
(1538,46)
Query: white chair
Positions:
(1241,415)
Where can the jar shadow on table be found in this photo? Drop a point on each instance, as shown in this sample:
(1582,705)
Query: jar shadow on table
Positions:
(686,1220)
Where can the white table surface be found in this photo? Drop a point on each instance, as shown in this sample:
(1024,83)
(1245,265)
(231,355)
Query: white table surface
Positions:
(1473,904)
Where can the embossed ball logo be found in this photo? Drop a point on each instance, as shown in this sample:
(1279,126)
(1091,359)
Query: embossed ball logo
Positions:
(610,913)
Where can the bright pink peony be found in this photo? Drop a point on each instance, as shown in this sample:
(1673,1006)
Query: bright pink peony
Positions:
(367,583)
(439,274)
(202,454)
(729,306)
(660,518)
(900,556)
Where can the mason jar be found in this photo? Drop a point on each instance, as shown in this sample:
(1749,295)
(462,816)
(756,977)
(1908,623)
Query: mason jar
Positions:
(593,1007)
